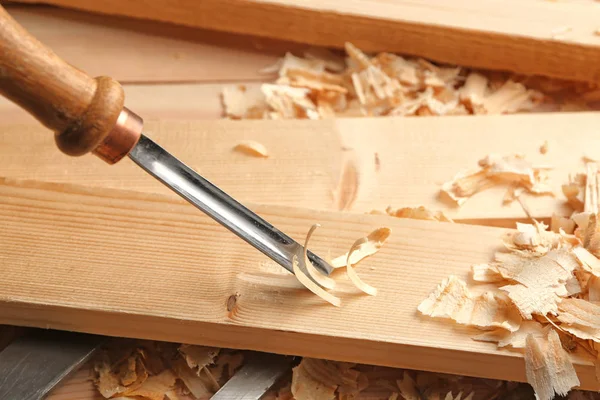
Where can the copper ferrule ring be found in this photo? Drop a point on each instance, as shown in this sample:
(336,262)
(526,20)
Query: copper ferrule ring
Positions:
(122,138)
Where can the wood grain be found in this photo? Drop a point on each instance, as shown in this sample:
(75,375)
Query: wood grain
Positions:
(146,266)
(307,159)
(134,51)
(79,386)
(553,38)
(187,101)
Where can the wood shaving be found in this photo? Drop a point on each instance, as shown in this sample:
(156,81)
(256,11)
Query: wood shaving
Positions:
(314,273)
(354,278)
(252,148)
(381,85)
(153,371)
(418,213)
(548,366)
(544,147)
(374,241)
(452,299)
(498,170)
(240,102)
(198,356)
(552,277)
(313,287)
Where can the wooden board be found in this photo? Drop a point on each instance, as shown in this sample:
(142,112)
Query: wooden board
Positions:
(307,159)
(131,50)
(147,266)
(79,386)
(153,101)
(554,38)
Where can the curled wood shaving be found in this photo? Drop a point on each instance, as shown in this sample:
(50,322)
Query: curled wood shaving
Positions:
(352,273)
(252,148)
(314,273)
(370,246)
(313,287)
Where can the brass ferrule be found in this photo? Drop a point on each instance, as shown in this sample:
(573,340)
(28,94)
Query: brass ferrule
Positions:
(123,137)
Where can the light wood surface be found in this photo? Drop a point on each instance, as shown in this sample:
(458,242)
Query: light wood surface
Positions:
(79,386)
(147,266)
(554,38)
(307,158)
(153,101)
(131,50)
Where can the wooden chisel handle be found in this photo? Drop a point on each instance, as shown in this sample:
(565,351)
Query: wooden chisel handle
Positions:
(87,114)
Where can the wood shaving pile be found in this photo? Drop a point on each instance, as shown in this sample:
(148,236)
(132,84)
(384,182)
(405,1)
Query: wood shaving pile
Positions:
(325,84)
(513,171)
(541,295)
(158,371)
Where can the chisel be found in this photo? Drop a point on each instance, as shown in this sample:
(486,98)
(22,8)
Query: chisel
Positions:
(88,115)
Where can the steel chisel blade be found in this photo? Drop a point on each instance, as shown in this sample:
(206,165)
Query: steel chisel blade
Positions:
(258,374)
(31,366)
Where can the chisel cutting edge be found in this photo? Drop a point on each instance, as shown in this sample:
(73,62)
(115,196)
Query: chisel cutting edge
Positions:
(88,115)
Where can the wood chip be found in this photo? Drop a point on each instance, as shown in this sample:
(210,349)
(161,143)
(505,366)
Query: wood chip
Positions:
(418,213)
(252,148)
(452,299)
(496,170)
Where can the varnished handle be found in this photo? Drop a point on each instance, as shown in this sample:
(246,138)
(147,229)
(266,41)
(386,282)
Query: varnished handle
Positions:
(82,111)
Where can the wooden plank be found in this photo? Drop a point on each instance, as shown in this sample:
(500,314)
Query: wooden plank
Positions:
(152,101)
(307,159)
(131,50)
(147,266)
(77,387)
(552,38)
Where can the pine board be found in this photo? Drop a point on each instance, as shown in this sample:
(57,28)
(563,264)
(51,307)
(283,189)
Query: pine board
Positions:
(307,159)
(153,101)
(146,266)
(553,38)
(131,50)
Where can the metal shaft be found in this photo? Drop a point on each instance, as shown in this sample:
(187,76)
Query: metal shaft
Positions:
(219,206)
